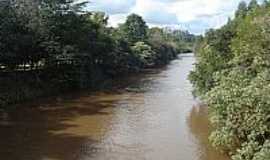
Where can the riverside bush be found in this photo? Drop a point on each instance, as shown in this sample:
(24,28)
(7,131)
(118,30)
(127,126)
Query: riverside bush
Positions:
(233,78)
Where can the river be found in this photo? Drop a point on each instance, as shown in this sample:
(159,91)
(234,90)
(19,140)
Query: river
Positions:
(152,116)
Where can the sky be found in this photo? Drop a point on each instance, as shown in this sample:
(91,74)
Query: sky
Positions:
(196,16)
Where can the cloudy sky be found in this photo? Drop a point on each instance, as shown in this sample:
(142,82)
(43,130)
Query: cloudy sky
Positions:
(193,15)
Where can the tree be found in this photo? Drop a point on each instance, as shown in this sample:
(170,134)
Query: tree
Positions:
(144,54)
(20,33)
(135,28)
(266,3)
(242,9)
(253,5)
(99,18)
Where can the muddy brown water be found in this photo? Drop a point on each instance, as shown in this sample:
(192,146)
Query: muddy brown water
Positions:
(155,117)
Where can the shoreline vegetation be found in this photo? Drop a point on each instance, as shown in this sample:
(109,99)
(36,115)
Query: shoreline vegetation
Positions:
(232,76)
(49,47)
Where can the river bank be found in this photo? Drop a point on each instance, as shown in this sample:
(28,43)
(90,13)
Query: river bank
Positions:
(50,48)
(20,87)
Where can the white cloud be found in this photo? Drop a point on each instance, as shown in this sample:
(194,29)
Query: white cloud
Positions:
(117,19)
(195,15)
(189,10)
(112,6)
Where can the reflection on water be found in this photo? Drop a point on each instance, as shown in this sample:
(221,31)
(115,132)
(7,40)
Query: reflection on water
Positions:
(200,128)
(149,116)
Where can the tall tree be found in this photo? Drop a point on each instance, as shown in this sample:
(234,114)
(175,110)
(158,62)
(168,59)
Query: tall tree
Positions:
(242,9)
(135,28)
(253,5)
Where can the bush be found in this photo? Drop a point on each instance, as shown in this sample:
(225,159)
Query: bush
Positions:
(233,78)
(144,54)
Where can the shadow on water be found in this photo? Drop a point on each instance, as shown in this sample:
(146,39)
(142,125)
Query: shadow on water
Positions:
(53,132)
(66,127)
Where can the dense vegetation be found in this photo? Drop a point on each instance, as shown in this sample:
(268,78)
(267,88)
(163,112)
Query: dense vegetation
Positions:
(233,76)
(56,44)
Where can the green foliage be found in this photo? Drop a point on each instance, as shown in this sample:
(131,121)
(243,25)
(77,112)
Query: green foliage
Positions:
(134,29)
(143,53)
(264,152)
(63,45)
(19,36)
(253,5)
(239,93)
(213,54)
(242,9)
(168,43)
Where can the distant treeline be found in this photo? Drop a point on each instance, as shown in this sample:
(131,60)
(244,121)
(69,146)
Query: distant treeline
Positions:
(58,44)
(232,76)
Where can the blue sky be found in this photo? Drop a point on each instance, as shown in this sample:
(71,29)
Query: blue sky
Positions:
(193,15)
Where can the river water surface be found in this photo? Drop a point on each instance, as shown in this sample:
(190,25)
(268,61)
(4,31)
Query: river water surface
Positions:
(153,117)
